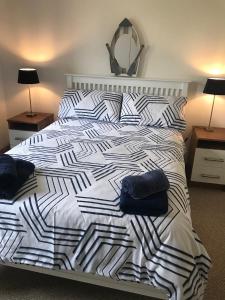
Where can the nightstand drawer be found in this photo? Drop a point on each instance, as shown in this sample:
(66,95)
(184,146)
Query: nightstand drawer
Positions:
(207,174)
(209,158)
(17,136)
(22,126)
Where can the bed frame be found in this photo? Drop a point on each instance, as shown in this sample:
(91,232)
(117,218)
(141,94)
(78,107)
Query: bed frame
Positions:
(116,84)
(160,87)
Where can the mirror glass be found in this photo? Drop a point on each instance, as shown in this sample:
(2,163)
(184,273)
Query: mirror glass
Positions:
(125,50)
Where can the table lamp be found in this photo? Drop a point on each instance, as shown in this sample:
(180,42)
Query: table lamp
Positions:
(28,76)
(214,86)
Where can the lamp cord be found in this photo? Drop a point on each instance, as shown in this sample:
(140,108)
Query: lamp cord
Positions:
(210,119)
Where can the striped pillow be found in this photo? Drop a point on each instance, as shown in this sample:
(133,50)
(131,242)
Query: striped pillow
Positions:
(96,105)
(150,110)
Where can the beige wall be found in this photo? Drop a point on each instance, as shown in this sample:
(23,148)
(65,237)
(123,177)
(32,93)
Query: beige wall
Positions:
(3,123)
(185,40)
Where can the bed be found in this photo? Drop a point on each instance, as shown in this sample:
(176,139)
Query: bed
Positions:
(66,221)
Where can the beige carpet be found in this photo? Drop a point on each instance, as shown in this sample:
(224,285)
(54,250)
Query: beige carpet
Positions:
(208,214)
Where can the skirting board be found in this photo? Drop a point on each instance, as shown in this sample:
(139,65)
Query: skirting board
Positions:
(131,287)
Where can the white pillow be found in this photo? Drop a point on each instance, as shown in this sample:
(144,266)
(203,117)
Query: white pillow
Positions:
(97,105)
(150,110)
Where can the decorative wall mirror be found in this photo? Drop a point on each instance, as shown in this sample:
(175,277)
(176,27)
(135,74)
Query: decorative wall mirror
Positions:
(125,50)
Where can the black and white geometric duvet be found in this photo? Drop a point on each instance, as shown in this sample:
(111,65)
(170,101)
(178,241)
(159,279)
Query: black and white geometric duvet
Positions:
(67,215)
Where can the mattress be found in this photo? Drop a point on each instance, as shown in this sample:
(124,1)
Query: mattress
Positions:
(67,216)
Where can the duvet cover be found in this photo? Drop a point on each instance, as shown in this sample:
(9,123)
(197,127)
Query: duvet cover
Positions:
(67,216)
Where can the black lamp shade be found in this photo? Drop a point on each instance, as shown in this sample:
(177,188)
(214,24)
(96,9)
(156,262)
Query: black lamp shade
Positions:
(28,76)
(215,86)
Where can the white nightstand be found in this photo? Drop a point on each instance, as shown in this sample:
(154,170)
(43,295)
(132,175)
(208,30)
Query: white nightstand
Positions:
(22,127)
(207,156)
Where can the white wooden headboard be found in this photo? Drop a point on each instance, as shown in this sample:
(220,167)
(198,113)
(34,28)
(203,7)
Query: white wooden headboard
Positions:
(128,84)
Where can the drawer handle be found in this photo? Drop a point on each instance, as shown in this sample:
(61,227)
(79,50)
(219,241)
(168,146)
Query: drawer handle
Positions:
(214,159)
(19,139)
(210,176)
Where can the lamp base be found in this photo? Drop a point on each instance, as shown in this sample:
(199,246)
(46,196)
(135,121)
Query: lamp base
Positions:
(31,114)
(209,129)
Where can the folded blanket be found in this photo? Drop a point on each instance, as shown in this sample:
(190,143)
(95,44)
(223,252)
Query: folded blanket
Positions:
(8,172)
(154,205)
(145,185)
(23,169)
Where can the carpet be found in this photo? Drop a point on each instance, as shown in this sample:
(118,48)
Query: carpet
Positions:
(208,215)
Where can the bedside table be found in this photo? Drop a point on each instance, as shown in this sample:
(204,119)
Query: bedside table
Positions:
(207,156)
(22,127)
